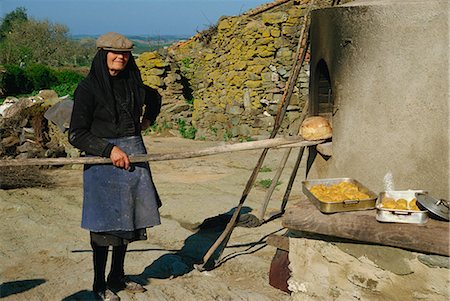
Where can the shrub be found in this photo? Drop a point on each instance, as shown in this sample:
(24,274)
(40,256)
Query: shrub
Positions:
(186,132)
(15,81)
(41,77)
(67,82)
(65,89)
(68,77)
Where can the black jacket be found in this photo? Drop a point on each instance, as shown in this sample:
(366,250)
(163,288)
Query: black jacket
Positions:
(94,117)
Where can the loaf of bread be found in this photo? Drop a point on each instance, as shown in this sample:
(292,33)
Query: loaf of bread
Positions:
(315,128)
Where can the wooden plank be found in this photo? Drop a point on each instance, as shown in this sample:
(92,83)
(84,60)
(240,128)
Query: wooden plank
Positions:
(279,242)
(266,143)
(431,237)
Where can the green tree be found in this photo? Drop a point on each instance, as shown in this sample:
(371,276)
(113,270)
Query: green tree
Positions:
(42,42)
(17,15)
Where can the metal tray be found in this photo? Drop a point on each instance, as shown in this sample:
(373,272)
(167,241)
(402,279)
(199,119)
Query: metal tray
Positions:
(347,205)
(398,215)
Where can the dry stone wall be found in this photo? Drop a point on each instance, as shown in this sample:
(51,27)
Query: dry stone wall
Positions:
(227,81)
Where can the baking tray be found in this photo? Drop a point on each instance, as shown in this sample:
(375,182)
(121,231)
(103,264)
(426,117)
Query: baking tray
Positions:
(347,205)
(398,215)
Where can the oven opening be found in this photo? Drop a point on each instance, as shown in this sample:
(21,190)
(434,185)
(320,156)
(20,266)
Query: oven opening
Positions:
(322,94)
(323,104)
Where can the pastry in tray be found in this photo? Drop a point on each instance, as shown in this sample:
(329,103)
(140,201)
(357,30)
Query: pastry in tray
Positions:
(399,204)
(338,192)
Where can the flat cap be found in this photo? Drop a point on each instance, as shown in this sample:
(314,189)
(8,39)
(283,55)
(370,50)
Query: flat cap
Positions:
(114,41)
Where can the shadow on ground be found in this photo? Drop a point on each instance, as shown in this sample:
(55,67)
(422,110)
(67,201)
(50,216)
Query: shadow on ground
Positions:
(19,286)
(83,295)
(195,247)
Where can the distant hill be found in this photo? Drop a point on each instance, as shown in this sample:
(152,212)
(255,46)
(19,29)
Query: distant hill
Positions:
(142,43)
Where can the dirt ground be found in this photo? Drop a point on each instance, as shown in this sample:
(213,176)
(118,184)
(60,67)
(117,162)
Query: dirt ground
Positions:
(45,255)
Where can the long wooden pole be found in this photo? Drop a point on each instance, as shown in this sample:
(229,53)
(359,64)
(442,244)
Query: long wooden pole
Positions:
(266,143)
(300,57)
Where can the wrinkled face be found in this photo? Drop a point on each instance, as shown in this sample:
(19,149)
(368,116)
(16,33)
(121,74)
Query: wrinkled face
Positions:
(117,61)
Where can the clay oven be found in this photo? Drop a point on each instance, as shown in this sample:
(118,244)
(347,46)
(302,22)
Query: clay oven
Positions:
(380,70)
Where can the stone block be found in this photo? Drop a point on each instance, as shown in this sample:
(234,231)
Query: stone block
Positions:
(276,32)
(244,130)
(153,81)
(209,56)
(156,71)
(160,64)
(235,120)
(264,122)
(284,53)
(289,30)
(266,33)
(274,18)
(263,41)
(276,98)
(240,65)
(224,25)
(246,99)
(234,110)
(266,76)
(47,94)
(253,83)
(256,68)
(254,25)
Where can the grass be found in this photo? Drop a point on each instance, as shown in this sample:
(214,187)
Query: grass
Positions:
(227,135)
(156,128)
(265,183)
(265,169)
(190,101)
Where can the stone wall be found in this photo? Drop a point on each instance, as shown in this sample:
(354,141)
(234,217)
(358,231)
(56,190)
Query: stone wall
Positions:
(228,80)
(341,271)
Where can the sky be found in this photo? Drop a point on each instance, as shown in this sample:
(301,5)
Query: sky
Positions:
(132,17)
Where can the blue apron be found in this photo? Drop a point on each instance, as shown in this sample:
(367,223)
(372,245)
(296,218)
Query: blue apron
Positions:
(115,199)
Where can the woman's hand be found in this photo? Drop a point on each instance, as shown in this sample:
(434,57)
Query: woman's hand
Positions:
(119,158)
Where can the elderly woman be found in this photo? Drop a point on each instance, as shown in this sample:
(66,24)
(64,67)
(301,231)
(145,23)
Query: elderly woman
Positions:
(111,107)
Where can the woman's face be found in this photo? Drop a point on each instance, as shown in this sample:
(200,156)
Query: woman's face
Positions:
(117,61)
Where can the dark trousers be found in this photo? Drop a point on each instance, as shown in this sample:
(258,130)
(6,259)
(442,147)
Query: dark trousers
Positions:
(116,273)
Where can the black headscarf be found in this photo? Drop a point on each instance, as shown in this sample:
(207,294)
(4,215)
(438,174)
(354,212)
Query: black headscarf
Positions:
(99,81)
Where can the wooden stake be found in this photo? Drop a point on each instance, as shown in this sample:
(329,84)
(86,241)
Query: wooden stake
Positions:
(292,179)
(275,179)
(280,170)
